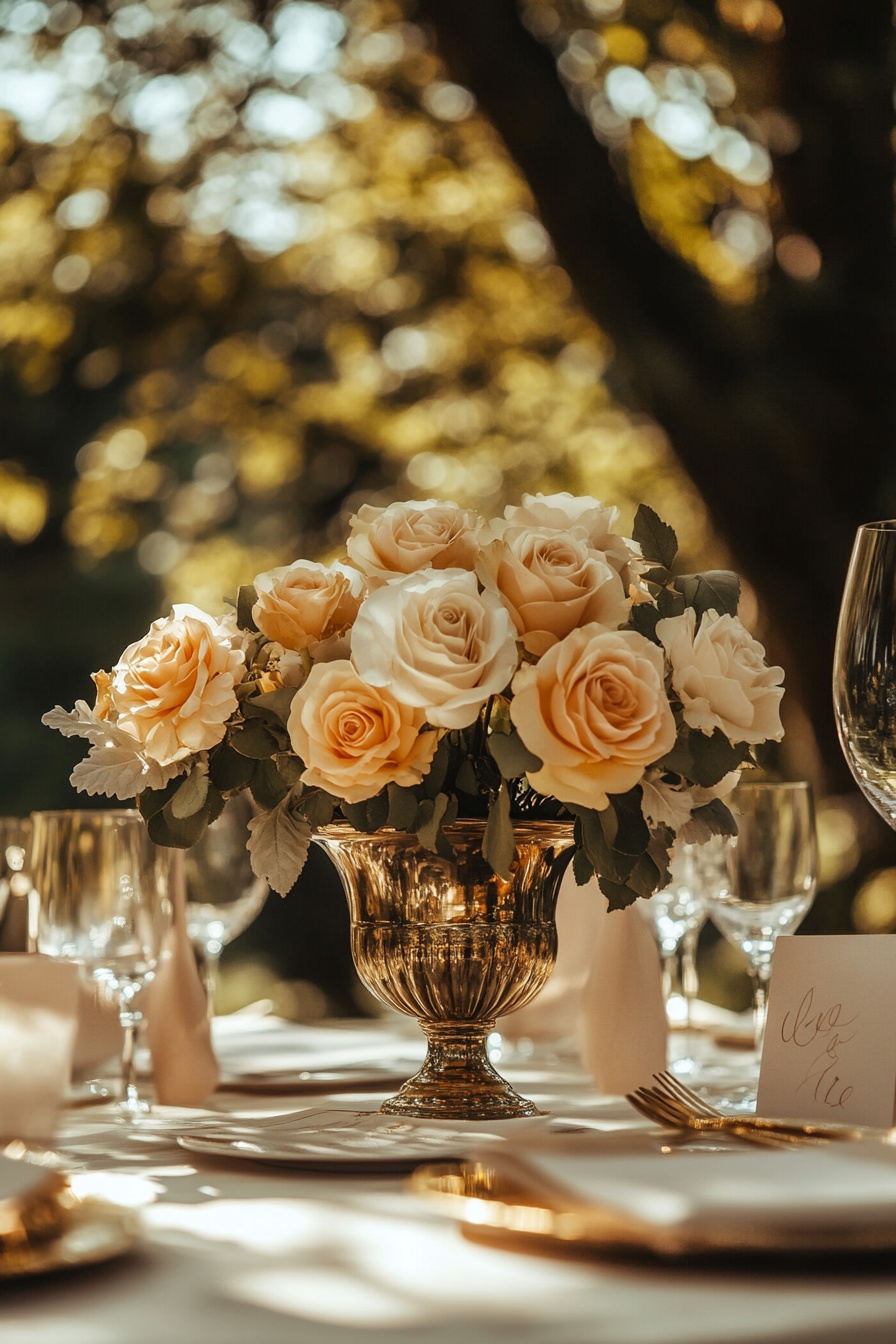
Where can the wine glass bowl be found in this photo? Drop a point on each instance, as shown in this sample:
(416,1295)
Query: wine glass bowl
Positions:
(103,902)
(771,878)
(865,666)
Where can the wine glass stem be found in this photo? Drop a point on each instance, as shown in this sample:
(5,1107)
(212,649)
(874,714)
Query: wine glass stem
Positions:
(760,972)
(130,1021)
(210,961)
(689,979)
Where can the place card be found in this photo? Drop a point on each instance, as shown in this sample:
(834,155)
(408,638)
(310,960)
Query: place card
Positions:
(830,1047)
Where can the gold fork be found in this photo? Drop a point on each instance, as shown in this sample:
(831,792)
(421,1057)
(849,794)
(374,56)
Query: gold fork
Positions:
(672,1090)
(672,1115)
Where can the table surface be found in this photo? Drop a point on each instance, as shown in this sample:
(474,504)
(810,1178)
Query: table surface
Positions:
(234,1253)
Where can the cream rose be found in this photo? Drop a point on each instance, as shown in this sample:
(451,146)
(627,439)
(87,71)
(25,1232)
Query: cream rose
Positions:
(407,537)
(586,517)
(720,675)
(354,738)
(438,644)
(173,690)
(594,710)
(304,604)
(552,583)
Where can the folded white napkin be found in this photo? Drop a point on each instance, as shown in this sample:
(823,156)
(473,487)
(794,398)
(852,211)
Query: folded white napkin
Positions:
(702,1190)
(623,1017)
(38,1021)
(184,1067)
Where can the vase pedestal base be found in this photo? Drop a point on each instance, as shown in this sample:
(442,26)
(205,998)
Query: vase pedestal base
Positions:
(457,1080)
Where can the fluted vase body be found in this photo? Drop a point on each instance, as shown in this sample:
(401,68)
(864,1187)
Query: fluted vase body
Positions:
(448,942)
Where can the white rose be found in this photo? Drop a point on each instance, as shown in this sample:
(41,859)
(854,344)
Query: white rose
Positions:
(173,690)
(304,604)
(584,516)
(594,710)
(438,644)
(720,675)
(413,535)
(354,738)
(552,583)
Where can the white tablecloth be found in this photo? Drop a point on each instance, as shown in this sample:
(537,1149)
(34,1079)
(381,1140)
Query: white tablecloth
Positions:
(247,1254)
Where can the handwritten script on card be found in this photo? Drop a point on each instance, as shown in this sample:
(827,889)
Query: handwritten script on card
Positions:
(830,1049)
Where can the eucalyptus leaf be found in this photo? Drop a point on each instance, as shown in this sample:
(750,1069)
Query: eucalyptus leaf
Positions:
(377,811)
(657,539)
(466,779)
(152,801)
(498,841)
(715,590)
(438,770)
(429,820)
(228,770)
(512,756)
(267,784)
(356,815)
(604,858)
(272,704)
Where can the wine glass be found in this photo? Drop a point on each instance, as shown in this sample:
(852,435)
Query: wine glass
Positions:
(15,883)
(771,879)
(102,890)
(223,894)
(676,914)
(865,667)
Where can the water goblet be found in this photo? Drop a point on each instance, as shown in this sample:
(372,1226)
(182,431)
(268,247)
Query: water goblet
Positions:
(771,880)
(223,894)
(676,914)
(865,667)
(103,902)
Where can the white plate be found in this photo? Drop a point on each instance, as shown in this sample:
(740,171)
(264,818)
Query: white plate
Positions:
(336,1140)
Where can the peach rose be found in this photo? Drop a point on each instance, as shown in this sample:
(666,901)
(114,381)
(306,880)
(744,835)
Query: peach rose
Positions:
(304,604)
(353,738)
(438,644)
(720,675)
(594,710)
(407,537)
(552,583)
(173,690)
(584,516)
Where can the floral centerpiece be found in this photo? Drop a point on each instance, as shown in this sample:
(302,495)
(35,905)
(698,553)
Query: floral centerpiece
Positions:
(538,664)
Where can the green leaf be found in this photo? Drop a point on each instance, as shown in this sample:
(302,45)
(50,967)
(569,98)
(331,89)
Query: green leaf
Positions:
(377,811)
(268,786)
(317,807)
(151,801)
(632,833)
(713,818)
(403,805)
(356,815)
(254,740)
(716,590)
(714,757)
(657,539)
(644,618)
(582,868)
(290,767)
(438,770)
(429,820)
(498,841)
(619,896)
(605,860)
(512,756)
(245,601)
(670,602)
(191,795)
(466,779)
(228,770)
(272,704)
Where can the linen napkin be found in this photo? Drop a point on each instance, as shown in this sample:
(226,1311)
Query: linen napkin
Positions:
(185,1070)
(623,1025)
(631,1174)
(38,1021)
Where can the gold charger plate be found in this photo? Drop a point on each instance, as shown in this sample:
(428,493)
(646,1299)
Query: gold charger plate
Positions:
(495,1209)
(96,1231)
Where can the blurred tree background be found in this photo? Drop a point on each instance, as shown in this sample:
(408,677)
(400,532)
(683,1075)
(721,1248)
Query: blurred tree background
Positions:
(260,263)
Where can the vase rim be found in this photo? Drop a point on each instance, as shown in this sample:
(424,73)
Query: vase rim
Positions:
(521,828)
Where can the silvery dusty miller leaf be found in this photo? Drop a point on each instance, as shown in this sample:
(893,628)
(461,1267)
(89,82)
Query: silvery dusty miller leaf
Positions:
(278,846)
(118,772)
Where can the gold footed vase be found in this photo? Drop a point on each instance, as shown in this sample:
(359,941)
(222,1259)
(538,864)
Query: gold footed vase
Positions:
(448,942)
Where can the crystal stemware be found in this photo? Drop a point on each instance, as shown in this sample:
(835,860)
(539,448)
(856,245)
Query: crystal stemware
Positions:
(772,874)
(223,894)
(102,889)
(865,667)
(676,915)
